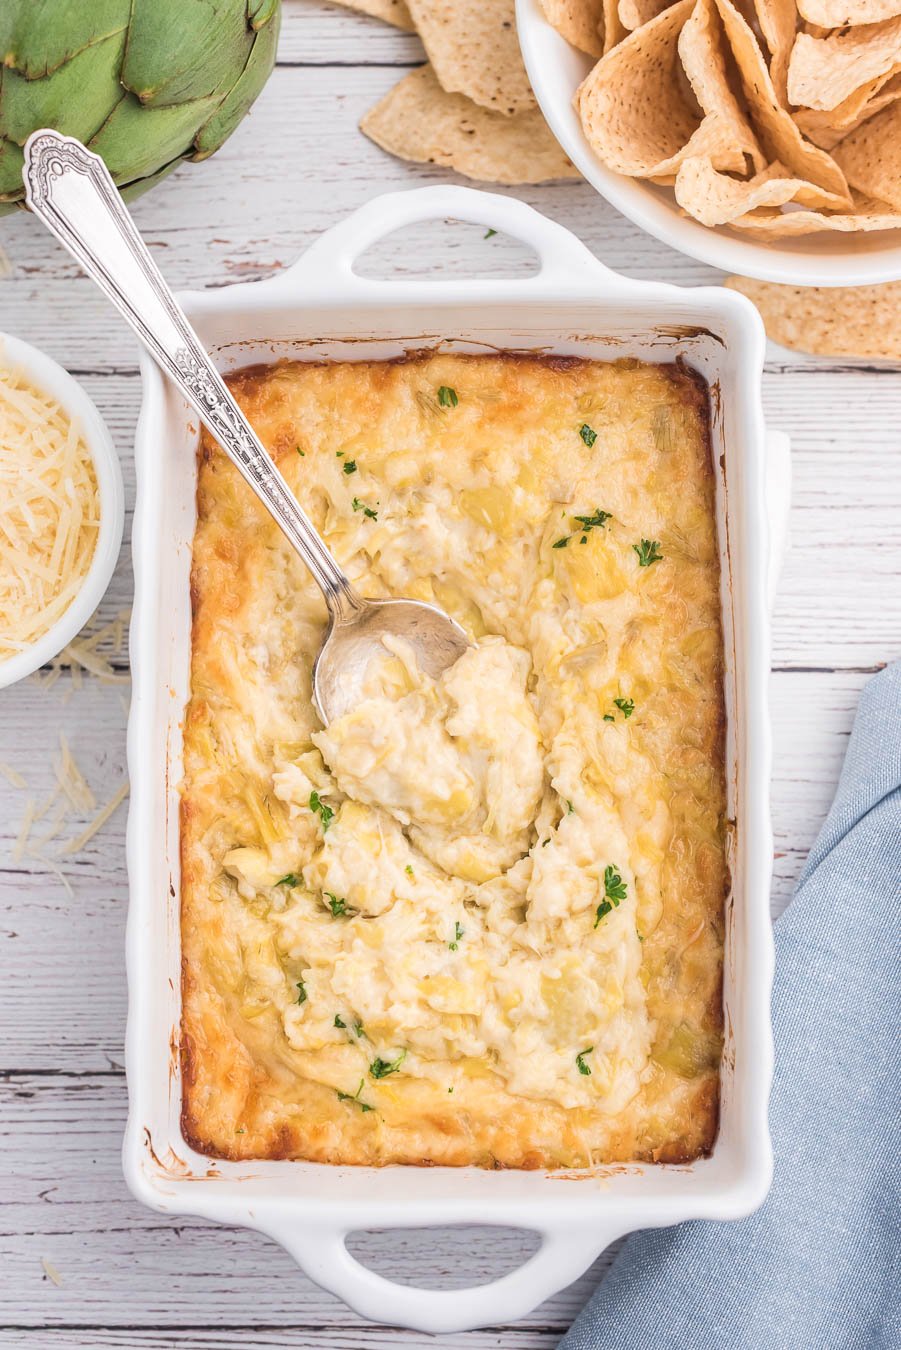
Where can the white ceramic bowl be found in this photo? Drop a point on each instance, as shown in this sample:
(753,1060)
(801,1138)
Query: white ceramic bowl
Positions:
(322,309)
(556,70)
(49,377)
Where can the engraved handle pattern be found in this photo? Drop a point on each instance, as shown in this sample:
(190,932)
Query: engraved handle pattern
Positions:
(71,190)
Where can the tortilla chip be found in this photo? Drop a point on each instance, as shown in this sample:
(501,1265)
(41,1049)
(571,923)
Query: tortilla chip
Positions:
(824,71)
(614,29)
(780,137)
(778,21)
(869,214)
(636,113)
(418,120)
(474,50)
(633,13)
(826,129)
(871,156)
(392,11)
(838,13)
(581,22)
(860,321)
(702,51)
(716,198)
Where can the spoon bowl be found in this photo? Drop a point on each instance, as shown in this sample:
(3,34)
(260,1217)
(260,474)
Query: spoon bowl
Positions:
(345,657)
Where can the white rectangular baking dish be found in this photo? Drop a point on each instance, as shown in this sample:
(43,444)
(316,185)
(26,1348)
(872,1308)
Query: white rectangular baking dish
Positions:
(321,308)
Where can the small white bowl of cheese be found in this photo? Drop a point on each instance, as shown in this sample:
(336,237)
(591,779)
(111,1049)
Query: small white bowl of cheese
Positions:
(62,508)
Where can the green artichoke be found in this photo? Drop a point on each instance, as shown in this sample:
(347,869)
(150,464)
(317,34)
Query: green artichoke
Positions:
(144,83)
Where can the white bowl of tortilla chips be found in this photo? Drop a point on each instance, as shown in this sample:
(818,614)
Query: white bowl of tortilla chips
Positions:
(765,140)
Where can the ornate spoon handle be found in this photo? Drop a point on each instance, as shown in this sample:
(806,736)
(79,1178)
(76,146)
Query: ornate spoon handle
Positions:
(70,189)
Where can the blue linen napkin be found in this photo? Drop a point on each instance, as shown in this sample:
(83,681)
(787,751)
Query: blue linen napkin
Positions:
(817,1267)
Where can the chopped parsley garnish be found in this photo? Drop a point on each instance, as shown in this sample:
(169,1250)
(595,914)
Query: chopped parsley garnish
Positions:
(358,1029)
(342,1026)
(447,397)
(569,807)
(319,808)
(301,992)
(580,1061)
(648,552)
(290,879)
(409,869)
(614,891)
(588,434)
(589,522)
(614,886)
(585,524)
(302,453)
(380,1068)
(338,907)
(626,707)
(367,510)
(608,717)
(458,933)
(349,466)
(355,1098)
(488,235)
(339,454)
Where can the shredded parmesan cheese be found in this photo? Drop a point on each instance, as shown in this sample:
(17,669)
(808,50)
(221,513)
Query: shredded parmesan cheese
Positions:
(72,780)
(49,512)
(24,831)
(83,654)
(51,1272)
(77,844)
(13,776)
(53,867)
(71,799)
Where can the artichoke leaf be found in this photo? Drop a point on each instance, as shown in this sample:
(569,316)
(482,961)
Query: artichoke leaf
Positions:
(130,191)
(260,12)
(77,97)
(136,141)
(242,94)
(144,83)
(182,50)
(11,161)
(39,36)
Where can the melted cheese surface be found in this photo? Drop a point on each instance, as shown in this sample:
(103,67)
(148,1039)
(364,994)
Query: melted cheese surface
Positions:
(477,919)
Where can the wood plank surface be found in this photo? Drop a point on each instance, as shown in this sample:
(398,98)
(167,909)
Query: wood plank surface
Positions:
(84,1264)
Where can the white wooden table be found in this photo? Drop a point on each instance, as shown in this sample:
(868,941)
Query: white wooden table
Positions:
(119,1274)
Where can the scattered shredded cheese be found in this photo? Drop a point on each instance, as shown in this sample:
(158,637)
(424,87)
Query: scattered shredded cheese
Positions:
(49,512)
(53,867)
(72,780)
(71,796)
(77,844)
(51,1271)
(82,654)
(12,775)
(24,831)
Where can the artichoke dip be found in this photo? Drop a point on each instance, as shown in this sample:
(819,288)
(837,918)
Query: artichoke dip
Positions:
(478,919)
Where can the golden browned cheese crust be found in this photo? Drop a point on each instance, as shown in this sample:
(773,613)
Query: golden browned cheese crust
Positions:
(508,954)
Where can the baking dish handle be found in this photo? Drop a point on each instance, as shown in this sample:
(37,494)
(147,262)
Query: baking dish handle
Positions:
(561,1258)
(563,258)
(778,501)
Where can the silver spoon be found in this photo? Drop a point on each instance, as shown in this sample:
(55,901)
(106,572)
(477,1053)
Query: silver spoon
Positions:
(70,189)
